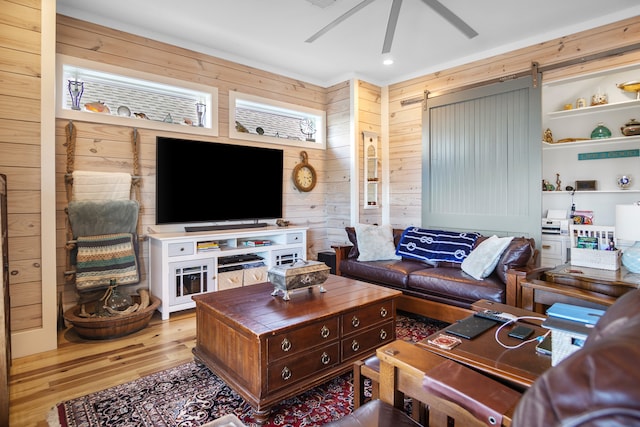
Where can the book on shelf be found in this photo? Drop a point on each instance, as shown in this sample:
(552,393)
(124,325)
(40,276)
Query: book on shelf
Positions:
(257,242)
(208,246)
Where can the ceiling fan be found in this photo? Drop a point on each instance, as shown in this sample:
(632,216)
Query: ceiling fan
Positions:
(438,7)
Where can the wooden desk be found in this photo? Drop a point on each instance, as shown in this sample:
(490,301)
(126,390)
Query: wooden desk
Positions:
(268,349)
(589,287)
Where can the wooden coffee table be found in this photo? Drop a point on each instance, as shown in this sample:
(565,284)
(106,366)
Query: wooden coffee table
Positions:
(268,349)
(518,367)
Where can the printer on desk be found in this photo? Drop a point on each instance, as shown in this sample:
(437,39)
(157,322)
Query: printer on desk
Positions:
(556,222)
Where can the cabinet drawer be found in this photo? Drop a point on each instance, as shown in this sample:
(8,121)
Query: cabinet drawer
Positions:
(255,275)
(366,341)
(298,340)
(292,370)
(365,317)
(229,280)
(294,238)
(551,248)
(179,249)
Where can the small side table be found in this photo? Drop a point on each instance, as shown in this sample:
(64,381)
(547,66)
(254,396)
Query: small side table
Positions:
(589,287)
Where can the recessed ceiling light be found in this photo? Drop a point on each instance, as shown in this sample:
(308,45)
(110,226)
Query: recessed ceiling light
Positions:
(387,59)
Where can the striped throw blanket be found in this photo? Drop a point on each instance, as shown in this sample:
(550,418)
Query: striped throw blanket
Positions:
(105,257)
(433,246)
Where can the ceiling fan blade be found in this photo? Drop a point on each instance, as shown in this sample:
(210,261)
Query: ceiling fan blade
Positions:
(339,19)
(453,19)
(391,26)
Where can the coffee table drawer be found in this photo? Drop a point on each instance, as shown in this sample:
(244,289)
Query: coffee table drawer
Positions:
(291,370)
(291,342)
(365,317)
(366,341)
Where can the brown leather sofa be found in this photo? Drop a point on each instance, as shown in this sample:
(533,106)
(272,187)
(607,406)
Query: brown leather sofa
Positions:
(444,291)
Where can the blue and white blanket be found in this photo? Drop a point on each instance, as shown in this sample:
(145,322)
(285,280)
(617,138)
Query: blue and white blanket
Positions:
(433,246)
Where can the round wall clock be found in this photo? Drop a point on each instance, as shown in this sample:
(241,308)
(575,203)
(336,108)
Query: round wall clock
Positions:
(304,175)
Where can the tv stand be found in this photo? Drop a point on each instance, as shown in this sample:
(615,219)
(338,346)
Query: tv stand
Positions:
(183,264)
(191,229)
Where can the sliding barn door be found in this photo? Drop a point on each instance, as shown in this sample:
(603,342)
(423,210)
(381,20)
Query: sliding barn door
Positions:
(482,160)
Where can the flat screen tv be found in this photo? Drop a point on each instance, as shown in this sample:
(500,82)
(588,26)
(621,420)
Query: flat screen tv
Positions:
(198,181)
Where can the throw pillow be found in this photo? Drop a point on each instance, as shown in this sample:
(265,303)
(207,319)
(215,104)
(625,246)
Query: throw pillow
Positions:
(483,259)
(375,242)
(436,246)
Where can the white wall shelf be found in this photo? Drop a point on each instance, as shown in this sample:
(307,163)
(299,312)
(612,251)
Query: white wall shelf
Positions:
(591,142)
(259,119)
(167,103)
(568,193)
(596,109)
(371,163)
(572,160)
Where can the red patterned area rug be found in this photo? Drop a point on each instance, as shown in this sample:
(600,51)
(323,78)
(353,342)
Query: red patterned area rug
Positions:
(190,395)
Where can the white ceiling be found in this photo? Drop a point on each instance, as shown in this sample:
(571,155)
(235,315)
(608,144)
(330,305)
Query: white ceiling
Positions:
(271,34)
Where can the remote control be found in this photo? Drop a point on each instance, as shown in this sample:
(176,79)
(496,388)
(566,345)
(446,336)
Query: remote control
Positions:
(497,316)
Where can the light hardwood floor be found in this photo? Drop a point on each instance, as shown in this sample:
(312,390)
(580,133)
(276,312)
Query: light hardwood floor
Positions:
(78,367)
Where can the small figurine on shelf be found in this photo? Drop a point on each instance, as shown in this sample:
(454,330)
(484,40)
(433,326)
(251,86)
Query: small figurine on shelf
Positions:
(612,245)
(547,136)
(599,98)
(558,183)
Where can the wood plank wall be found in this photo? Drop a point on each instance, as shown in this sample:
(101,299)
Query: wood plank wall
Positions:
(326,210)
(369,120)
(338,161)
(20,73)
(405,130)
(107,148)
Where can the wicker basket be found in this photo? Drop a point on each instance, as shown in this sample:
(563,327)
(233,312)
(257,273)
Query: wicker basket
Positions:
(102,328)
(594,258)
(605,260)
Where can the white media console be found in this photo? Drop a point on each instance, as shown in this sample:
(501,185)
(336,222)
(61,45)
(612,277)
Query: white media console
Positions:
(185,264)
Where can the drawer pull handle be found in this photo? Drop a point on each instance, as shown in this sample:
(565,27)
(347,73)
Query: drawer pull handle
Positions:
(286,373)
(383,334)
(546,246)
(325,358)
(355,322)
(324,332)
(355,346)
(383,312)
(286,345)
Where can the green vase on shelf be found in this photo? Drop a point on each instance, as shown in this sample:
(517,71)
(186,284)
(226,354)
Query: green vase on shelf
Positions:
(601,132)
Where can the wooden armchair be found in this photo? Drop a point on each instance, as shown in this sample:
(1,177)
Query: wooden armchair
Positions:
(446,393)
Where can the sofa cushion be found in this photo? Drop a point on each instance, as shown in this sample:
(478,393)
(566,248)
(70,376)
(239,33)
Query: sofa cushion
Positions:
(518,254)
(455,284)
(394,273)
(484,257)
(353,239)
(375,242)
(436,245)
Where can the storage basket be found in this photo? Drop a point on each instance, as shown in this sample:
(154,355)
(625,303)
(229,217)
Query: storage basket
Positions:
(594,258)
(605,260)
